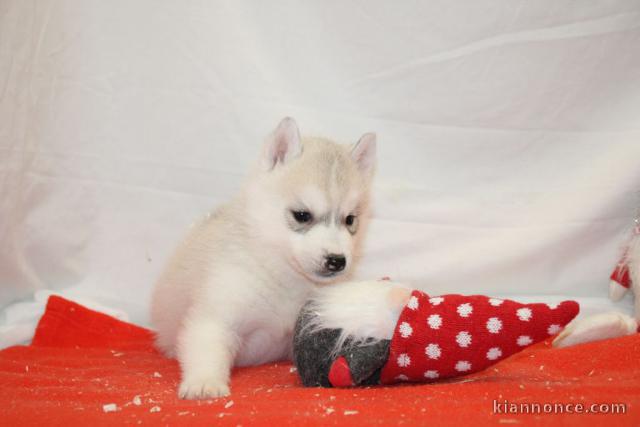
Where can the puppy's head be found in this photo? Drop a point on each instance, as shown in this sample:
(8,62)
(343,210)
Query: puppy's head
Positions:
(309,200)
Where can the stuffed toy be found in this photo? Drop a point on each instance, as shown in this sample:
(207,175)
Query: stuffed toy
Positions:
(381,332)
(611,324)
(627,273)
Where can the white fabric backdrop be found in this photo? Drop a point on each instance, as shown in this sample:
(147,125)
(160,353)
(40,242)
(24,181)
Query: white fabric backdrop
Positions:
(509,136)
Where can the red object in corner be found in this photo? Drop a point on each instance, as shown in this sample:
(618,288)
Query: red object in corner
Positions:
(88,369)
(67,324)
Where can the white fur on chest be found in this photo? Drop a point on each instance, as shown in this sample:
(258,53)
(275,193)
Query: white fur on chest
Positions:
(267,329)
(260,302)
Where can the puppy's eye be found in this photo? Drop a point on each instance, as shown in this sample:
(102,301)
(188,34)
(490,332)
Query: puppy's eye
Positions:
(351,221)
(302,216)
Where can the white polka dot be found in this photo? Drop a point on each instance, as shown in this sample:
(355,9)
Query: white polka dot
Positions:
(524,314)
(524,340)
(553,305)
(413,303)
(405,330)
(436,300)
(463,366)
(464,310)
(433,351)
(431,375)
(554,329)
(435,321)
(404,360)
(495,301)
(402,377)
(494,353)
(463,339)
(494,325)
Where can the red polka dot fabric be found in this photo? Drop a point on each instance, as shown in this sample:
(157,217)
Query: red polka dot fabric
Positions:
(452,335)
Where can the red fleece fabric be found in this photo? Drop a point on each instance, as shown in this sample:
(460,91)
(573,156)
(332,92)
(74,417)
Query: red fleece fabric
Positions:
(340,373)
(85,368)
(451,335)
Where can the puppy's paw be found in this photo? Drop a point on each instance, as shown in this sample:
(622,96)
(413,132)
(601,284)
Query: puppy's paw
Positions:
(206,388)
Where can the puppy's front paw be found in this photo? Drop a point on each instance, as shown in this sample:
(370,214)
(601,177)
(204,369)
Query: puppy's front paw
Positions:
(203,389)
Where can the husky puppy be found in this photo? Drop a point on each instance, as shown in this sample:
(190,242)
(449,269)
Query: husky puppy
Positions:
(232,291)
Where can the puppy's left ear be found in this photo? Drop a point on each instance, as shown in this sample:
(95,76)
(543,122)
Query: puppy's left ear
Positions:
(364,153)
(283,145)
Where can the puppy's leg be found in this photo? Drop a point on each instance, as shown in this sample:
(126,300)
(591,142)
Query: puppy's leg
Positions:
(206,349)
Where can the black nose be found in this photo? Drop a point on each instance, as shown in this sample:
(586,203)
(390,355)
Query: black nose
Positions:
(335,262)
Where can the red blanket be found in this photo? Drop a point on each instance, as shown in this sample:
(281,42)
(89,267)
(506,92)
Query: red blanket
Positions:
(86,368)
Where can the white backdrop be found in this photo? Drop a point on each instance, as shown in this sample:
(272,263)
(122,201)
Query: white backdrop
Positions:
(509,136)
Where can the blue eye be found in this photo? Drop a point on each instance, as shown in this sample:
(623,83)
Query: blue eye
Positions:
(302,216)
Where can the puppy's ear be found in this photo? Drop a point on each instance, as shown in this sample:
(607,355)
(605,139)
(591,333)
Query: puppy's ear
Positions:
(283,145)
(364,153)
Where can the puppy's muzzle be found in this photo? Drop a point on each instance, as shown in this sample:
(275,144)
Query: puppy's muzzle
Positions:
(335,263)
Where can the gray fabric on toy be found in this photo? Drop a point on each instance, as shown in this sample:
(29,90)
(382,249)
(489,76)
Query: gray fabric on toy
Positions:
(314,356)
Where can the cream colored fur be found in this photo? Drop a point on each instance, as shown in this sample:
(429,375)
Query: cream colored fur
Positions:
(231,293)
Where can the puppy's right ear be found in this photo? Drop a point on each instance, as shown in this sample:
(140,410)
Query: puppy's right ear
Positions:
(283,145)
(364,153)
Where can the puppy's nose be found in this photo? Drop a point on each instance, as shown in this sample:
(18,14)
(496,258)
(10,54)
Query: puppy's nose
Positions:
(335,262)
